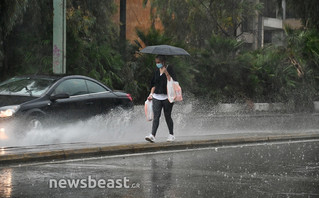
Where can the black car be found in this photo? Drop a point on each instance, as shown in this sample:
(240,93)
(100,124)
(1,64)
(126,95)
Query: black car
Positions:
(32,101)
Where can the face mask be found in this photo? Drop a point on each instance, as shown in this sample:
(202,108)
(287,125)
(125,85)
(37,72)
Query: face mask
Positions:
(159,65)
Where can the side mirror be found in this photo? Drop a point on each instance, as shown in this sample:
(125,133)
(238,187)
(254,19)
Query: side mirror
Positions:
(59,96)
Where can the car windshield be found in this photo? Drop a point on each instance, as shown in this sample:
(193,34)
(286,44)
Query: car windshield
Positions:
(25,86)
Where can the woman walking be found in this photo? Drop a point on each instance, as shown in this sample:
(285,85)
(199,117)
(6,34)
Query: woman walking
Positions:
(160,99)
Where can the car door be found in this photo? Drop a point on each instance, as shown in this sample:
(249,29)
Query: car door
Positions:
(101,98)
(77,106)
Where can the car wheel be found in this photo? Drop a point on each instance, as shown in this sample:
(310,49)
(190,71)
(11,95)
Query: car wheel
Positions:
(34,123)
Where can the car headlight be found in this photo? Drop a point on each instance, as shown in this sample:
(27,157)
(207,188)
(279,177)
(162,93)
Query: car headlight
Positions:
(8,111)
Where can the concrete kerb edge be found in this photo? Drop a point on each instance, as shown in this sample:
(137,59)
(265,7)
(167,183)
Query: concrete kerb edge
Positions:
(145,147)
(298,136)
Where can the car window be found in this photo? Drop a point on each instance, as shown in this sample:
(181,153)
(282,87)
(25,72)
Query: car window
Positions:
(25,86)
(73,87)
(94,87)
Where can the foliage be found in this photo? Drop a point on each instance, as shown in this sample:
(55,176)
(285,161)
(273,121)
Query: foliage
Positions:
(307,10)
(288,74)
(222,74)
(271,76)
(194,21)
(219,69)
(11,13)
(91,40)
(302,48)
(28,46)
(91,45)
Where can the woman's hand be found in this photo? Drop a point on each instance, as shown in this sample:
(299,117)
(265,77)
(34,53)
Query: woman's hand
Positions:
(150,97)
(164,70)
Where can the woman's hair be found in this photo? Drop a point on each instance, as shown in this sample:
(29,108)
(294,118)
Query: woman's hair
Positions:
(161,58)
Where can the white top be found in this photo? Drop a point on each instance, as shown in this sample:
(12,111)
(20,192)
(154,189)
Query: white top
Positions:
(160,96)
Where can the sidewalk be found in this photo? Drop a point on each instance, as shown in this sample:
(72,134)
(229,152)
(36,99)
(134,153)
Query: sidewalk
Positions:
(52,152)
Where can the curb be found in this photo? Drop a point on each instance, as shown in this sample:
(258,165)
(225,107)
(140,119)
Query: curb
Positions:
(145,147)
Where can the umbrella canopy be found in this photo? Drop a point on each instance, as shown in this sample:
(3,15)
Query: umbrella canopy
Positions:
(164,50)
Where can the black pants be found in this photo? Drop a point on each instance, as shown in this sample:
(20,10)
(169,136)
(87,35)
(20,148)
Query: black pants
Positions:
(157,109)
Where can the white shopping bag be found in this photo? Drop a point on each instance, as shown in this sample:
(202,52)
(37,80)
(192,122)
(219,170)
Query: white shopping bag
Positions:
(174,91)
(148,107)
(170,91)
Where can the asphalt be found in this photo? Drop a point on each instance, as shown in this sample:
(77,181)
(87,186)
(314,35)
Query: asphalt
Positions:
(55,152)
(274,169)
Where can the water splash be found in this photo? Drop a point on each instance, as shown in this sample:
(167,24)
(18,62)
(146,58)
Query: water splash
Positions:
(192,118)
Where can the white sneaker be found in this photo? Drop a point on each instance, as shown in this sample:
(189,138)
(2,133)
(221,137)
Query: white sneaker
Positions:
(150,138)
(171,138)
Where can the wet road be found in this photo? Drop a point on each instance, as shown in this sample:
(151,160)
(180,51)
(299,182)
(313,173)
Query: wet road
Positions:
(289,169)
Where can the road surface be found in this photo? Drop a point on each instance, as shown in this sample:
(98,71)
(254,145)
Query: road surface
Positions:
(282,169)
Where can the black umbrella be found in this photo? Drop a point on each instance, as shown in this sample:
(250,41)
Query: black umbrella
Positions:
(164,50)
